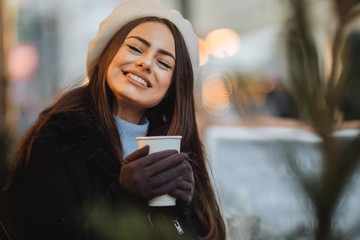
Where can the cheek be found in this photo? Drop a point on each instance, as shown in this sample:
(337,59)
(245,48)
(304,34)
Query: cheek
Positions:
(108,79)
(113,73)
(166,79)
(111,79)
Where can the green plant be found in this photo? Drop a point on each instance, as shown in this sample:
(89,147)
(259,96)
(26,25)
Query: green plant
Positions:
(318,99)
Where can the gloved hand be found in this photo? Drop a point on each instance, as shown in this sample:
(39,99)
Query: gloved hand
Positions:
(185,191)
(148,176)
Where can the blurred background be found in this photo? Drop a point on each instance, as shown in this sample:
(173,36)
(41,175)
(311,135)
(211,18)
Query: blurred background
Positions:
(262,142)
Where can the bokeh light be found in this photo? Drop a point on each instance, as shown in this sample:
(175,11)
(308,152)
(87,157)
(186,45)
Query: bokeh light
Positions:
(215,96)
(203,52)
(23,61)
(223,42)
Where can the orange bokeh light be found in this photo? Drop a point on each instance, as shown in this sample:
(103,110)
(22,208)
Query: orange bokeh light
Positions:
(223,42)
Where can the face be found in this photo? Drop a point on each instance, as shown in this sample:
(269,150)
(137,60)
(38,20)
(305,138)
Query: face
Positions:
(140,73)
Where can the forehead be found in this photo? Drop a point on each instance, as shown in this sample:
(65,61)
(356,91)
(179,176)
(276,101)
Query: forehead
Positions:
(156,33)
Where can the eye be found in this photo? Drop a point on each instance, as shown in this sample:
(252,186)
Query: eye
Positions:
(133,48)
(164,64)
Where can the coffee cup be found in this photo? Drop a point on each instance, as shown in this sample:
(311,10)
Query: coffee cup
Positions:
(156,144)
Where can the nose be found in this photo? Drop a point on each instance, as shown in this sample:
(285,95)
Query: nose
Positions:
(144,65)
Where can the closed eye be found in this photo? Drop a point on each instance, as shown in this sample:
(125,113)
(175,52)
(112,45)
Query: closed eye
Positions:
(133,48)
(164,64)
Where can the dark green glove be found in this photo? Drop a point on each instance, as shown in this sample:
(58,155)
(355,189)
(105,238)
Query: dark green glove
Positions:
(149,176)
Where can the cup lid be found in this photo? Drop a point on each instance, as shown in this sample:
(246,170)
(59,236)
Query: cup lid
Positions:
(158,137)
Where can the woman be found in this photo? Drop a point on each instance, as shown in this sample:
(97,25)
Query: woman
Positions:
(77,173)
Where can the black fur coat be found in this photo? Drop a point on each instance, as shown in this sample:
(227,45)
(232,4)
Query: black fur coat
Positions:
(70,190)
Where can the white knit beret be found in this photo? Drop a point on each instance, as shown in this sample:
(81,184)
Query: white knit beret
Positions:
(134,9)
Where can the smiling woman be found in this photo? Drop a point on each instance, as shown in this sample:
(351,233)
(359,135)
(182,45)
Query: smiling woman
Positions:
(140,73)
(77,172)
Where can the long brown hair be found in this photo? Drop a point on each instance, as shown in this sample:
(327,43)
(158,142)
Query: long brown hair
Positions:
(174,115)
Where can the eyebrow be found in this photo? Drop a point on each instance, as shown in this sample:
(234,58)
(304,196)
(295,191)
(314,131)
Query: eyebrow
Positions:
(147,43)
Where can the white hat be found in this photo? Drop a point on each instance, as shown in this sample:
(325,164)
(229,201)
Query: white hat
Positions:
(134,9)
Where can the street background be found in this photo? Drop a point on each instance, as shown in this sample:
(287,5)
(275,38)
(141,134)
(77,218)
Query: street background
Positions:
(246,113)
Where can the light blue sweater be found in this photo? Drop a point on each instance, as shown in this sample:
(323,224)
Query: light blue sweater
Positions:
(128,133)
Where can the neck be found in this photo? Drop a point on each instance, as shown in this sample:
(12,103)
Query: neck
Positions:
(131,115)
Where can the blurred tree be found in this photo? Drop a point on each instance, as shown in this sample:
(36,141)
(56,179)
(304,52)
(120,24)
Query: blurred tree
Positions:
(318,98)
(5,142)
(349,82)
(3,81)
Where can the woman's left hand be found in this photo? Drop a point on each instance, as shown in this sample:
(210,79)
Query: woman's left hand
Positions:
(185,190)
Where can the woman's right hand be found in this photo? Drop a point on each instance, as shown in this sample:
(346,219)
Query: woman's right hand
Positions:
(150,175)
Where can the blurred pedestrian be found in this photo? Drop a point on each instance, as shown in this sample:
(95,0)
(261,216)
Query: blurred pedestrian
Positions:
(79,160)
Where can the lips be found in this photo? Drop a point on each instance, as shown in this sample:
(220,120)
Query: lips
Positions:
(142,80)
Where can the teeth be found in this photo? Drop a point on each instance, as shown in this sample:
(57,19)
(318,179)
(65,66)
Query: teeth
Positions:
(136,78)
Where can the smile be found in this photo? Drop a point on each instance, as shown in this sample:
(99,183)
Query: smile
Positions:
(138,79)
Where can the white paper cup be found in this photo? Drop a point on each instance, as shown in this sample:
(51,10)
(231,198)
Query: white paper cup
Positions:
(156,144)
